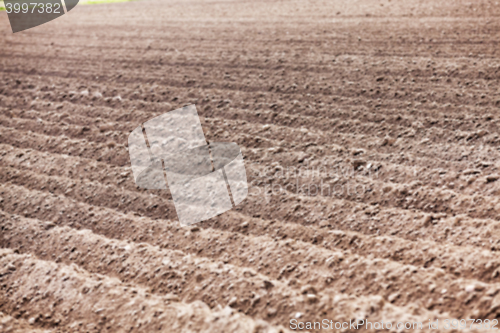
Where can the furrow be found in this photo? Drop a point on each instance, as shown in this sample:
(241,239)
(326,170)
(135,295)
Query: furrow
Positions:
(9,324)
(337,270)
(403,196)
(463,231)
(301,207)
(311,147)
(159,271)
(54,295)
(188,277)
(338,74)
(440,119)
(435,142)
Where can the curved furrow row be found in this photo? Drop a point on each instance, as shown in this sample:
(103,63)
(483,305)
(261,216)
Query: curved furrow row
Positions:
(157,208)
(365,122)
(387,196)
(469,229)
(287,131)
(335,270)
(312,146)
(299,208)
(463,177)
(192,278)
(439,119)
(360,216)
(55,295)
(279,137)
(337,78)
(453,157)
(9,324)
(361,115)
(113,154)
(159,271)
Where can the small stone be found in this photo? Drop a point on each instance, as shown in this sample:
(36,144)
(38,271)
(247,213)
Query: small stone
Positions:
(495,304)
(244,224)
(298,315)
(393,297)
(492,178)
(255,301)
(32,320)
(357,152)
(195,229)
(49,225)
(324,223)
(311,298)
(387,189)
(271,312)
(249,272)
(484,164)
(457,221)
(268,284)
(233,302)
(308,289)
(471,172)
(425,141)
(470,288)
(479,287)
(427,220)
(482,132)
(358,163)
(171,298)
(387,141)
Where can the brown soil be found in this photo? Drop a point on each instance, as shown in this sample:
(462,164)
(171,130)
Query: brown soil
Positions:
(400,99)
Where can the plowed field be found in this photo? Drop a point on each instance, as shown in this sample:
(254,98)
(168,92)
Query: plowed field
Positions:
(370,136)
